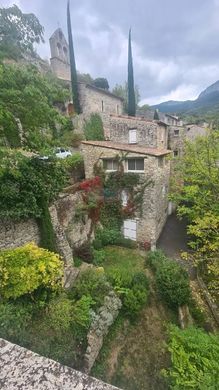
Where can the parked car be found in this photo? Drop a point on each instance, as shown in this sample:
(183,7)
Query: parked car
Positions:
(62,153)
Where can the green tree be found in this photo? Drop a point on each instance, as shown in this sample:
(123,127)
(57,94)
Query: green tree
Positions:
(29,96)
(131,88)
(93,128)
(18,32)
(101,82)
(195,189)
(122,91)
(74,81)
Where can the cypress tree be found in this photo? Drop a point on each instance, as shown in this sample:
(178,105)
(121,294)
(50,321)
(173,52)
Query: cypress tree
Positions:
(131,87)
(74,83)
(156,115)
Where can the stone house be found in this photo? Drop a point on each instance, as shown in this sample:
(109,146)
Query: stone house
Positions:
(97,100)
(150,163)
(177,135)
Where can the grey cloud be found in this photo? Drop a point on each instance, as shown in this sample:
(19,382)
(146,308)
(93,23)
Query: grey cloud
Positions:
(175,43)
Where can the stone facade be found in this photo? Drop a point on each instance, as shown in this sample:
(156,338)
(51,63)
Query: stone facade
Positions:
(24,369)
(156,168)
(177,135)
(153,134)
(96,100)
(60,55)
(102,320)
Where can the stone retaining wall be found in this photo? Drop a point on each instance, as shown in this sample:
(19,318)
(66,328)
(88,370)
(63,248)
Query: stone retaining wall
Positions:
(101,323)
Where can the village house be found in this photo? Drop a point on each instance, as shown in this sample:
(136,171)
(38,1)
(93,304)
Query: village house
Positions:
(151,164)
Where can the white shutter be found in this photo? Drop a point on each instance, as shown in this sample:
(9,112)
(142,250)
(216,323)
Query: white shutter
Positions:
(129,229)
(124,198)
(132,136)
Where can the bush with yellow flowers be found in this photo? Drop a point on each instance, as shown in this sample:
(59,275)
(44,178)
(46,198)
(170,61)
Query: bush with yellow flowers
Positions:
(25,269)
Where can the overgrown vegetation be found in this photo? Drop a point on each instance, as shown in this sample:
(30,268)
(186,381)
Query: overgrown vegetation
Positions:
(172,279)
(93,128)
(195,189)
(27,107)
(195,359)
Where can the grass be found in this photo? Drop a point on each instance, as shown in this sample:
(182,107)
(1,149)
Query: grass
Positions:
(123,260)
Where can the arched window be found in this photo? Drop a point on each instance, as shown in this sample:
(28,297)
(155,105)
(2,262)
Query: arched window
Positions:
(65,51)
(59,48)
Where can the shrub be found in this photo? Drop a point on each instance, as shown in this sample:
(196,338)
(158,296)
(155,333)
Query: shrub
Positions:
(134,300)
(72,162)
(93,128)
(93,283)
(140,280)
(155,258)
(59,314)
(99,257)
(81,314)
(14,320)
(195,359)
(23,270)
(173,283)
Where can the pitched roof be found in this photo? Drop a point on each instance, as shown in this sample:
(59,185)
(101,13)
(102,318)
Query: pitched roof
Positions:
(101,90)
(129,148)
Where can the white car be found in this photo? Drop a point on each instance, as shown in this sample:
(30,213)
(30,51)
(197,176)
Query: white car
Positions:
(62,153)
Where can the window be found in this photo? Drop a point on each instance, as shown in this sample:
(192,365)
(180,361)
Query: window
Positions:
(117,109)
(136,164)
(188,129)
(132,136)
(110,165)
(176,133)
(176,153)
(102,106)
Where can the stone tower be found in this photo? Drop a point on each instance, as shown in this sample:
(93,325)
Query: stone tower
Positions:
(60,55)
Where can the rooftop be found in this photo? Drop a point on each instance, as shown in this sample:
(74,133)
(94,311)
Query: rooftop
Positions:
(129,148)
(23,369)
(101,90)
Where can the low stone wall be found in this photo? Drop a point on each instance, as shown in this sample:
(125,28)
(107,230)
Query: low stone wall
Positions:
(24,369)
(100,327)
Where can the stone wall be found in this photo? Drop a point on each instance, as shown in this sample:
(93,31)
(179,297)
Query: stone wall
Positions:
(68,232)
(13,235)
(95,100)
(149,133)
(102,320)
(155,200)
(22,369)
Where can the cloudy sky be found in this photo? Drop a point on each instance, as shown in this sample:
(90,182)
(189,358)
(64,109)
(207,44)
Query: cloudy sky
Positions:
(175,42)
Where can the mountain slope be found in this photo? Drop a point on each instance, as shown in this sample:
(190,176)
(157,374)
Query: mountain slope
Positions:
(207,100)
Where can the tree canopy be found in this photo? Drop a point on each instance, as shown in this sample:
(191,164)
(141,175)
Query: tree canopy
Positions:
(27,97)
(122,91)
(18,32)
(101,82)
(195,189)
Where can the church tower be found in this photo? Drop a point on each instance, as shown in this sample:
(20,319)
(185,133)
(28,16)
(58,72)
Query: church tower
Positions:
(60,55)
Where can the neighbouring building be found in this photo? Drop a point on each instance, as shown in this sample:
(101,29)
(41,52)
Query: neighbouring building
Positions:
(151,164)
(97,100)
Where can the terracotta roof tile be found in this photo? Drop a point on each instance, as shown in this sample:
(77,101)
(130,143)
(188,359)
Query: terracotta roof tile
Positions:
(129,148)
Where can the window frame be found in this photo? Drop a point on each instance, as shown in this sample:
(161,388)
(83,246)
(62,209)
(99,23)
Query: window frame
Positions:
(176,133)
(105,160)
(135,170)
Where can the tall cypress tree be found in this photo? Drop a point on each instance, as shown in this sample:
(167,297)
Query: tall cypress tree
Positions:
(74,81)
(156,115)
(131,87)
